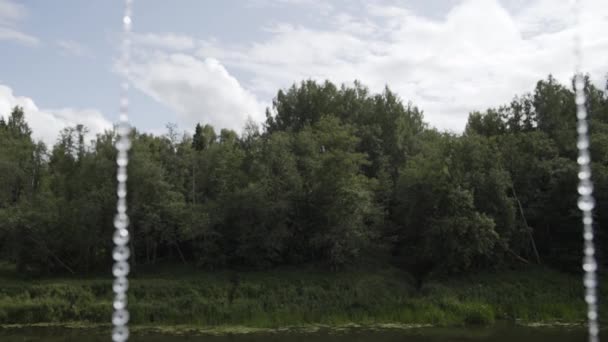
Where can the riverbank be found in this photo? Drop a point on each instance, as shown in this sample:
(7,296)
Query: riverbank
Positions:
(494,333)
(262,300)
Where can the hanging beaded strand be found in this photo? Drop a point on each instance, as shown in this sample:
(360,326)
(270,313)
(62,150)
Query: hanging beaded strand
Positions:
(121,253)
(586,201)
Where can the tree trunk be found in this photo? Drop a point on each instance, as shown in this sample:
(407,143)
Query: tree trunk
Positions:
(53,255)
(521,211)
(181,255)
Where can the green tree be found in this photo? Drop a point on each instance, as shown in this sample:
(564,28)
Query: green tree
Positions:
(440,229)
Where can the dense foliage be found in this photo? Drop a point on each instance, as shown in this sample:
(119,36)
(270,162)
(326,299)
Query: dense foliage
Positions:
(228,301)
(336,176)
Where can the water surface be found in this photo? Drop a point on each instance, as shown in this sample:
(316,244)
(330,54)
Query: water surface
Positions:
(495,334)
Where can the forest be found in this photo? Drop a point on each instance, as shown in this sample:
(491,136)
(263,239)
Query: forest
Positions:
(336,177)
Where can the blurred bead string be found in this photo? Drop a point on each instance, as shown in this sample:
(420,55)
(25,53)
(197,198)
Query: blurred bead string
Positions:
(586,201)
(121,252)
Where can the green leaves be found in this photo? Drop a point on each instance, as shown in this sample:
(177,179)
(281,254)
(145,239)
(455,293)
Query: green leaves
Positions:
(537,142)
(337,176)
(440,223)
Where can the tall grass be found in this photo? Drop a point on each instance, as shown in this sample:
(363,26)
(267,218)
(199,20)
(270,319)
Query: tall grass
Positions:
(291,298)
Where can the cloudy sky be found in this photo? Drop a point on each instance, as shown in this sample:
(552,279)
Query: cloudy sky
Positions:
(221,61)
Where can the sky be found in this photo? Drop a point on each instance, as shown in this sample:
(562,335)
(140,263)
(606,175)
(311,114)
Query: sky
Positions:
(222,61)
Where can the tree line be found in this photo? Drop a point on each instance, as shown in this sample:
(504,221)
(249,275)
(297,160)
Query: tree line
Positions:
(336,176)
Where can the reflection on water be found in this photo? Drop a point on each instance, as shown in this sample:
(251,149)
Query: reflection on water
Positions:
(496,334)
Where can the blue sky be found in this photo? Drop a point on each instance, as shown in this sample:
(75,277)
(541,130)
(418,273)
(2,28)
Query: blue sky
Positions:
(222,61)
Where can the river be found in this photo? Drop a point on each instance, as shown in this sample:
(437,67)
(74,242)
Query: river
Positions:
(494,334)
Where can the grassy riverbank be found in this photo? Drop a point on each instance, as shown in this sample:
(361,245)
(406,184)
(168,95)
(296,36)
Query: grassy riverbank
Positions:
(297,298)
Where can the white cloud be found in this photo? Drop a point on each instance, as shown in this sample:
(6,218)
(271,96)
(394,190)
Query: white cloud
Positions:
(169,41)
(197,90)
(11,11)
(70,47)
(47,123)
(10,14)
(9,34)
(476,56)
(545,16)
